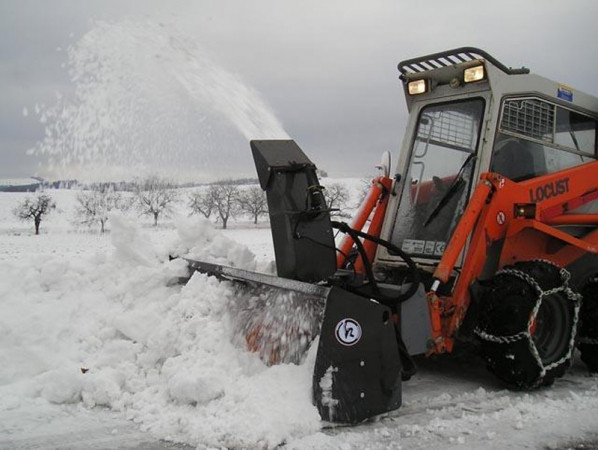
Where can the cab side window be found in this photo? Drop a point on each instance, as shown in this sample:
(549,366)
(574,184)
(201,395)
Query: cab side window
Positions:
(536,137)
(575,131)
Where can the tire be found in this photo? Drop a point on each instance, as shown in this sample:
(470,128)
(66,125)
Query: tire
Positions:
(588,330)
(527,324)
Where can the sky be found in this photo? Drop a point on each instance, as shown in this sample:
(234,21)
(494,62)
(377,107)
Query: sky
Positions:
(325,70)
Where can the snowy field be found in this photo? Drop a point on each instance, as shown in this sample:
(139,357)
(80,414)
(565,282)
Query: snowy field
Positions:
(99,349)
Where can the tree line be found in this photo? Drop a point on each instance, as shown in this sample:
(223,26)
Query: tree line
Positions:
(157,197)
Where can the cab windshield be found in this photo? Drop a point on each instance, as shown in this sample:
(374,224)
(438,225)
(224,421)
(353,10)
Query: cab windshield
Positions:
(438,180)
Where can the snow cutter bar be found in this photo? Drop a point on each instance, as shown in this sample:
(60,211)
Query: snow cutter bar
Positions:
(232,273)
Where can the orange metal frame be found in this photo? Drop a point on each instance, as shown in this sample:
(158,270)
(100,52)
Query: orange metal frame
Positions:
(493,215)
(376,200)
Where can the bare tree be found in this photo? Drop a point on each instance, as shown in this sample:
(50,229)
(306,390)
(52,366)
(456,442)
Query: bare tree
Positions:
(202,202)
(35,208)
(225,195)
(253,202)
(155,197)
(337,197)
(365,184)
(94,206)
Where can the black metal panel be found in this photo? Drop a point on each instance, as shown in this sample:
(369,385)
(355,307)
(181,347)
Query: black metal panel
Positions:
(281,155)
(358,369)
(300,222)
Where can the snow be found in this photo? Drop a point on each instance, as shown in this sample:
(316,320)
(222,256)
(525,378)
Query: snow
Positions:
(149,99)
(326,383)
(100,349)
(109,329)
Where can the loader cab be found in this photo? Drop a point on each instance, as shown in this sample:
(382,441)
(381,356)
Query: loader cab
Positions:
(470,114)
(448,97)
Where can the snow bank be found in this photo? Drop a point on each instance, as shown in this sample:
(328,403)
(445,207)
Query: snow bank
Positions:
(112,330)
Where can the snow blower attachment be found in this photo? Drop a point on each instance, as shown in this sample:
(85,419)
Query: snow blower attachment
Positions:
(357,372)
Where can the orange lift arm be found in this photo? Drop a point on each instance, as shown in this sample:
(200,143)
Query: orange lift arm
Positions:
(502,209)
(376,200)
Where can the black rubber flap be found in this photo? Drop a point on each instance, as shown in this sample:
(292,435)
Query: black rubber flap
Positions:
(358,371)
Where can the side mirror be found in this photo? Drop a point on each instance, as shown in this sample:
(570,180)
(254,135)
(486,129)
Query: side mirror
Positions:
(384,165)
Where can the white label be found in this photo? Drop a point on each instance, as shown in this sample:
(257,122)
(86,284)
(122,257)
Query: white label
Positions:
(429,248)
(421,247)
(413,246)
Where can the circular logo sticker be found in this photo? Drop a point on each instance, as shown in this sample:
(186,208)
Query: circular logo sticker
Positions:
(348,331)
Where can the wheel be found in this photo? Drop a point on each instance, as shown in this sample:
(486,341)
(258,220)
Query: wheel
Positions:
(527,323)
(588,330)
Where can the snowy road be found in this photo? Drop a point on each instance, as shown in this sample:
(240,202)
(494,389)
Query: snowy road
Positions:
(453,402)
(74,428)
(449,403)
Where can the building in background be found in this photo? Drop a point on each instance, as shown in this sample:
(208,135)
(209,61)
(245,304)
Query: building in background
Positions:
(20,184)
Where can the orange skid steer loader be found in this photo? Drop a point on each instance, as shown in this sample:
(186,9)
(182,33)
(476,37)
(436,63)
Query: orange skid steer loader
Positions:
(487,232)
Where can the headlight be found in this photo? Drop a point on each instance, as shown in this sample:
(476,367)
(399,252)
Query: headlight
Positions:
(417,87)
(472,74)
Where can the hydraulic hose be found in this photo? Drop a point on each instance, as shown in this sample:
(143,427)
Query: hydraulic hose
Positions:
(414,272)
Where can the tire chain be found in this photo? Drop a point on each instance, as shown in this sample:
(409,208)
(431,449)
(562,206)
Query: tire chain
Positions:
(570,294)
